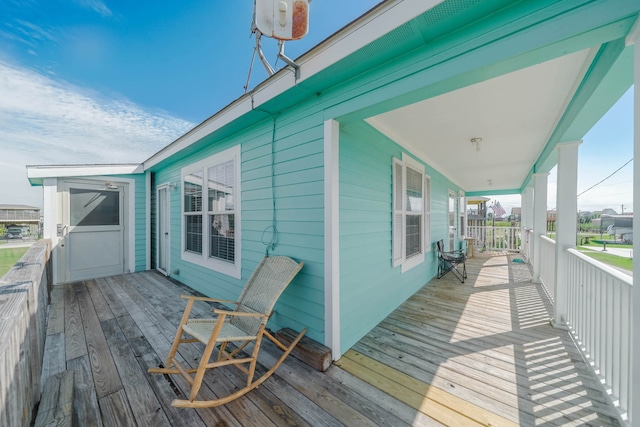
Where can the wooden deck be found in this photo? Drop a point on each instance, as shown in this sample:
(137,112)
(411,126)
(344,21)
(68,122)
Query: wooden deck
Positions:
(479,353)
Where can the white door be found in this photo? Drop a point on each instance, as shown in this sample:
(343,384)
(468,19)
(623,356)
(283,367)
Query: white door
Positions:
(93,231)
(163,230)
(452,220)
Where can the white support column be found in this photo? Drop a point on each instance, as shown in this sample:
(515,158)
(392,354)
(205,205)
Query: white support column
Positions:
(566,222)
(635,338)
(526,221)
(51,217)
(539,219)
(332,238)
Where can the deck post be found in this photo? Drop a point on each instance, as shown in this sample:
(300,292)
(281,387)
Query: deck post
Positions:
(634,37)
(526,221)
(332,238)
(566,222)
(539,219)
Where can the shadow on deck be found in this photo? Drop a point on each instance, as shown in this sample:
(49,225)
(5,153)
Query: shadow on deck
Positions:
(478,353)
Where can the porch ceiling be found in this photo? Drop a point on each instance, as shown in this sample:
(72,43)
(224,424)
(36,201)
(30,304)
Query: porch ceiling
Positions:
(514,114)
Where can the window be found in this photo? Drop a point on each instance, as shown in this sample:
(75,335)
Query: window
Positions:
(411,213)
(211,212)
(94,207)
(462,214)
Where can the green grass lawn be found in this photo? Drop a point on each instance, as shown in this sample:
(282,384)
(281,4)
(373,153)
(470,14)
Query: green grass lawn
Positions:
(609,245)
(613,260)
(8,257)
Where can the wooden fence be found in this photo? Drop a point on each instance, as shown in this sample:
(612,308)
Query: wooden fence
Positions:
(24,297)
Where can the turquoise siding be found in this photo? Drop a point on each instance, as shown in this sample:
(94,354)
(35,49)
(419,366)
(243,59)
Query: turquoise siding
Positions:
(370,287)
(298,168)
(454,45)
(139,220)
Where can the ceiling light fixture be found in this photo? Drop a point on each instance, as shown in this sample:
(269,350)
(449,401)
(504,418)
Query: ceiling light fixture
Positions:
(476,141)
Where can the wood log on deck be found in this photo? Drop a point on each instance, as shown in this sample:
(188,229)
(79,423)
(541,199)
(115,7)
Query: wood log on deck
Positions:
(311,352)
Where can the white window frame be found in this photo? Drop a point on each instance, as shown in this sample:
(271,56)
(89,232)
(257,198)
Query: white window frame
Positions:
(462,215)
(399,213)
(231,269)
(427,214)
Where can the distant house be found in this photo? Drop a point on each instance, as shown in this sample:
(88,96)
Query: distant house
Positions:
(609,211)
(477,211)
(27,217)
(620,226)
(516,214)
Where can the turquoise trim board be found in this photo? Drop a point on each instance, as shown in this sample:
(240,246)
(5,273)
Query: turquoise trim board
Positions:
(370,287)
(608,78)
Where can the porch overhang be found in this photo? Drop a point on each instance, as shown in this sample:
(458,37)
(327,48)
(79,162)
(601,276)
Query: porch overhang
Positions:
(491,136)
(36,173)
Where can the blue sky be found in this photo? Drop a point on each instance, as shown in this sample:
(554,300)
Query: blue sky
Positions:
(103,81)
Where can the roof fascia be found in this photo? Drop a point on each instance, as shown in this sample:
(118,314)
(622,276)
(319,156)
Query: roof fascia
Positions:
(364,30)
(466,57)
(37,174)
(597,75)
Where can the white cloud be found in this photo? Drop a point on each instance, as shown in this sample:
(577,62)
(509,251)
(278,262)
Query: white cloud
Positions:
(43,121)
(97,6)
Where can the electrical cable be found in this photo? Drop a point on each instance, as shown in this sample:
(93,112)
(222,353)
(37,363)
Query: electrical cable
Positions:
(613,173)
(273,242)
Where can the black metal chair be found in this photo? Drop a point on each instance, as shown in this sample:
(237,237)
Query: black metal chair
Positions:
(449,262)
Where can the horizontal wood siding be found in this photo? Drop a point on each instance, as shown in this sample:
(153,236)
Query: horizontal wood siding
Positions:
(299,191)
(370,288)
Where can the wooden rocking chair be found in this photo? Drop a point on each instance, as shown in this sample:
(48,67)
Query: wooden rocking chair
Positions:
(244,325)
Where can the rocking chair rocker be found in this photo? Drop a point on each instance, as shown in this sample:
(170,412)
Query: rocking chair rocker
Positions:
(449,261)
(244,325)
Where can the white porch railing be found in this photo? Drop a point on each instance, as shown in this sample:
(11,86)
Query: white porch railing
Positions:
(548,265)
(495,238)
(599,317)
(527,245)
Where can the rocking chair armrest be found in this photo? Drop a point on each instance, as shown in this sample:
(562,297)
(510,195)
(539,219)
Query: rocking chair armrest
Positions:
(238,313)
(195,298)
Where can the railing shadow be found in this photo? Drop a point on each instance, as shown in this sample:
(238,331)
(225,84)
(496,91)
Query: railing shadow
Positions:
(512,354)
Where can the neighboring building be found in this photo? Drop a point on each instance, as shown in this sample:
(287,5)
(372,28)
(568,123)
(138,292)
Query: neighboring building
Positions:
(516,214)
(477,211)
(620,226)
(360,160)
(608,211)
(26,217)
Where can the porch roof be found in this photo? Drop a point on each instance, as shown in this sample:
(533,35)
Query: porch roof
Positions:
(474,353)
(522,76)
(37,173)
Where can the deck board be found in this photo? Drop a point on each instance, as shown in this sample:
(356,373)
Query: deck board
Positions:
(478,353)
